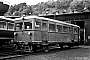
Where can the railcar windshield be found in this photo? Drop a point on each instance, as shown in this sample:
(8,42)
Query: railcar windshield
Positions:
(3,24)
(59,28)
(52,27)
(37,25)
(28,25)
(18,26)
(10,26)
(65,29)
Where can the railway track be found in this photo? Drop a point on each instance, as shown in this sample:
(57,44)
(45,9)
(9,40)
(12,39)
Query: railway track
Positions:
(9,54)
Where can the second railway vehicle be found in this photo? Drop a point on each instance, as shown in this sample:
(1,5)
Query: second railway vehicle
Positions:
(34,33)
(6,30)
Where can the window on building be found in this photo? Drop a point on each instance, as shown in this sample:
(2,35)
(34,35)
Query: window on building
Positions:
(37,25)
(65,29)
(3,25)
(59,28)
(18,26)
(28,25)
(52,28)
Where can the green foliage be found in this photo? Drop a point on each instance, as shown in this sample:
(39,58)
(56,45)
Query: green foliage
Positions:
(17,7)
(16,13)
(63,4)
(26,11)
(8,14)
(50,7)
(18,10)
(11,9)
(80,5)
(51,4)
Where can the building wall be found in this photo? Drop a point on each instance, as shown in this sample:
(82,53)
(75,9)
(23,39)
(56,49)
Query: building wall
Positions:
(87,32)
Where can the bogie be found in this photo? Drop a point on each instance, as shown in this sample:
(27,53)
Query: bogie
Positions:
(46,48)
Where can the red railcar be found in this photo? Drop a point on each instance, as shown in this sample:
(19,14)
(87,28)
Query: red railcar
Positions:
(43,33)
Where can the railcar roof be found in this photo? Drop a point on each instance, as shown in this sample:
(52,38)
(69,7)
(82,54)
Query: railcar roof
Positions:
(6,19)
(48,19)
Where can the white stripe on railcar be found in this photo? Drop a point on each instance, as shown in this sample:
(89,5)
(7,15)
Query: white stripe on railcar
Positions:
(28,17)
(5,38)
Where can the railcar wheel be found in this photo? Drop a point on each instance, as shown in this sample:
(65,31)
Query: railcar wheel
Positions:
(16,48)
(31,49)
(70,46)
(61,46)
(46,48)
(28,49)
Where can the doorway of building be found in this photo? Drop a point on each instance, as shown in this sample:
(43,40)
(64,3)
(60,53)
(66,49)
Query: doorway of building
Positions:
(82,32)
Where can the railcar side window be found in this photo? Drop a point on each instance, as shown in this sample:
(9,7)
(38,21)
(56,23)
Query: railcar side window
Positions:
(75,30)
(65,29)
(2,25)
(37,25)
(18,26)
(44,26)
(27,25)
(10,25)
(59,28)
(52,28)
(71,29)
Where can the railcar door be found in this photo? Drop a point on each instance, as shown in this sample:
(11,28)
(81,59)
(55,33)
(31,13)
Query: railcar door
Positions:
(45,31)
(72,34)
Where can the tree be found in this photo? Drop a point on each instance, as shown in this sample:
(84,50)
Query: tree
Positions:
(11,9)
(27,11)
(16,13)
(8,13)
(17,7)
(20,9)
(87,4)
(80,5)
(30,9)
(17,10)
(50,4)
(63,4)
(77,5)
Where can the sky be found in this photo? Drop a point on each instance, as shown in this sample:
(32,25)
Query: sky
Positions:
(29,2)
